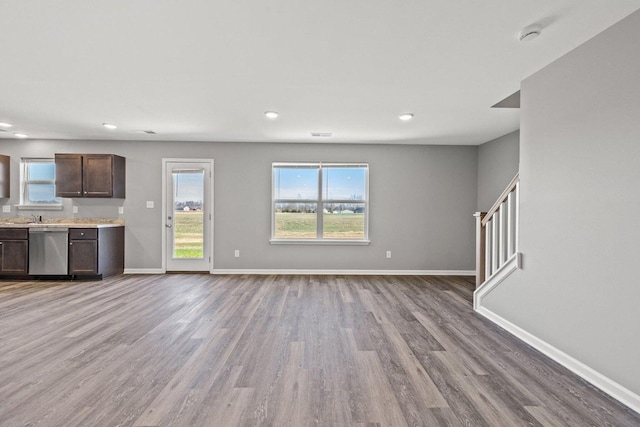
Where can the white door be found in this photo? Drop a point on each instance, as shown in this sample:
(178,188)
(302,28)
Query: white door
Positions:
(188,213)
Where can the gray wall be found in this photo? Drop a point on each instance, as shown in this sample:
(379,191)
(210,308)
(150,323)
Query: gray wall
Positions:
(498,162)
(580,176)
(421,201)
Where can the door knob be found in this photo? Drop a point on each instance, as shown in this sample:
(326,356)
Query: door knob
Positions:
(168,225)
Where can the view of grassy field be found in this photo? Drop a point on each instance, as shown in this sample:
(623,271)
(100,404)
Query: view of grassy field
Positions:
(303,225)
(188,228)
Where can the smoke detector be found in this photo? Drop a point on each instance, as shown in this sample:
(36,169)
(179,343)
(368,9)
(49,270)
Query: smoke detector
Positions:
(529,33)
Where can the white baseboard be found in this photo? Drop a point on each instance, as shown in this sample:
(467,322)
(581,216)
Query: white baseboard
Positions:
(348,272)
(258,271)
(511,265)
(607,385)
(143,271)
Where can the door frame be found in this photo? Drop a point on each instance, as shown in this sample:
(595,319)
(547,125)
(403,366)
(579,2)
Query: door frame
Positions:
(165,162)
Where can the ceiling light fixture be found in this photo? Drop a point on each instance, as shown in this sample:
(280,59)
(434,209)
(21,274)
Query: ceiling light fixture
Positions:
(21,135)
(529,33)
(5,125)
(110,126)
(405,116)
(271,114)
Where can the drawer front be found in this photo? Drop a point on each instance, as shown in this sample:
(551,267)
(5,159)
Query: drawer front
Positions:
(14,234)
(83,233)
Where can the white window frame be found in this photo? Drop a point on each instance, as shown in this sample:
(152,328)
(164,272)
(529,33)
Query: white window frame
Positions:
(319,201)
(25,181)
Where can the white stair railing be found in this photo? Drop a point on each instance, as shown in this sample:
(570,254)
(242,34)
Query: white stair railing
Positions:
(497,233)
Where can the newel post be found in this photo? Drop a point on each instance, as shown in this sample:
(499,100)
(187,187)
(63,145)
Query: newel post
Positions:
(480,248)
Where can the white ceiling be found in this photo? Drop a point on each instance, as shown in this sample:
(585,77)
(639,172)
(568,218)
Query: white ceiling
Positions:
(205,70)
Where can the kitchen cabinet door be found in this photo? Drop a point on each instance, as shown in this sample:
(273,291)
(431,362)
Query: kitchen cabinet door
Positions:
(83,257)
(14,251)
(103,175)
(5,177)
(68,175)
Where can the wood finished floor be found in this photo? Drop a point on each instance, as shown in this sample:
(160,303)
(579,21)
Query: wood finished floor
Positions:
(200,350)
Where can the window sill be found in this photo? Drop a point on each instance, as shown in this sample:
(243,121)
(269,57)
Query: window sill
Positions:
(39,207)
(320,242)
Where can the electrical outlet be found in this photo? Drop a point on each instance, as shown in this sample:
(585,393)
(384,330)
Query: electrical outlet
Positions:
(388,254)
(75,209)
(120,210)
(150,204)
(236,253)
(6,208)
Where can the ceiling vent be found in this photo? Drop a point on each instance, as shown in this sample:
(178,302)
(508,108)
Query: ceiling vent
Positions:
(322,134)
(148,132)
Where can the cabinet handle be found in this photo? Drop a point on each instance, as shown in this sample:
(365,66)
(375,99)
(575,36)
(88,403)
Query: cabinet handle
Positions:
(70,243)
(82,234)
(78,192)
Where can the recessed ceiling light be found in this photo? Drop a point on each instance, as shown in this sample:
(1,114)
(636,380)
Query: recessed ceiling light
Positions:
(5,125)
(21,135)
(529,33)
(271,114)
(405,116)
(109,126)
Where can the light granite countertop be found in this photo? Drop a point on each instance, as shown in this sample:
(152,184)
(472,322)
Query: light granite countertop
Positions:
(61,223)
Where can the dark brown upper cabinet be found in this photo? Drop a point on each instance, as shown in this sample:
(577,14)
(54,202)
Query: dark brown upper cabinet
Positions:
(5,177)
(90,175)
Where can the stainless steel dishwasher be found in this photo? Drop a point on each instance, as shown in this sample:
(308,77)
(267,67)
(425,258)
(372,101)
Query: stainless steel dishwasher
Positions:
(48,250)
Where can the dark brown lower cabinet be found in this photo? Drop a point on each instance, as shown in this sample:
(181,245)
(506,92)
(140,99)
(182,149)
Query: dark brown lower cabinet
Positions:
(14,251)
(97,252)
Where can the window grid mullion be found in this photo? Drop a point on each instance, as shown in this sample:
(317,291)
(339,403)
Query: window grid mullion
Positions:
(295,200)
(320,208)
(39,182)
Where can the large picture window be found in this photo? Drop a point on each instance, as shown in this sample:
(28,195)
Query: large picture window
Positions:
(320,202)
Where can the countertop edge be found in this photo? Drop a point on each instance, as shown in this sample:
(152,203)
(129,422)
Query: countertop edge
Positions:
(60,225)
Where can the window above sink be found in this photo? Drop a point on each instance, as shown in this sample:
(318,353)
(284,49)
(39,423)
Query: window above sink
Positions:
(38,185)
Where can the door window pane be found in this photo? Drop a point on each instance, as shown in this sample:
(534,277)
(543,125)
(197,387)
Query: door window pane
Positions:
(188,222)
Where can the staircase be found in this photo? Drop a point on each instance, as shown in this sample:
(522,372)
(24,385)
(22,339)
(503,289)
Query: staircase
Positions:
(497,253)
